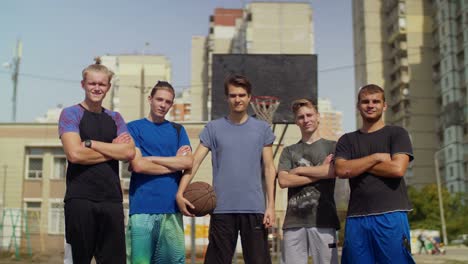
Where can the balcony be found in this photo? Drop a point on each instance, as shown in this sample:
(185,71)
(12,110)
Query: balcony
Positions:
(435,58)
(398,33)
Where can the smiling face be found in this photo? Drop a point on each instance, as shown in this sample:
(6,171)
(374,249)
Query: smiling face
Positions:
(307,119)
(238,99)
(96,85)
(371,106)
(160,103)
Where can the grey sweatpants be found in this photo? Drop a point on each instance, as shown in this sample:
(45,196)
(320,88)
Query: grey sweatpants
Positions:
(300,243)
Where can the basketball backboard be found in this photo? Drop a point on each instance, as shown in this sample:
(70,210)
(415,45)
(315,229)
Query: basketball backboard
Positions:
(288,77)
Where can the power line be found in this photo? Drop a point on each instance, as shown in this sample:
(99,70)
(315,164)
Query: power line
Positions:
(331,69)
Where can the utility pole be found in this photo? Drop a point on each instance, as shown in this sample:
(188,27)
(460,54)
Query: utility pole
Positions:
(142,92)
(439,193)
(142,84)
(5,167)
(14,76)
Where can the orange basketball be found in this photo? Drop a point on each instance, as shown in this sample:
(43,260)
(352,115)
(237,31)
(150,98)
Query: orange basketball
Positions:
(202,196)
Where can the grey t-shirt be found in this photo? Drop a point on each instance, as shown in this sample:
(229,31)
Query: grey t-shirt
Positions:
(236,152)
(311,205)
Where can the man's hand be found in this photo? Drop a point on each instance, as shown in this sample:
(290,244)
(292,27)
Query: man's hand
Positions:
(182,203)
(269,217)
(381,157)
(328,159)
(184,151)
(123,138)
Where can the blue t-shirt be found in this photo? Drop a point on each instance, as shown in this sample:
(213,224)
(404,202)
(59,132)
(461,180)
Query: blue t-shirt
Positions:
(155,194)
(236,151)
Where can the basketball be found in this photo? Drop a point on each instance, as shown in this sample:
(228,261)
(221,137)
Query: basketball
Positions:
(202,196)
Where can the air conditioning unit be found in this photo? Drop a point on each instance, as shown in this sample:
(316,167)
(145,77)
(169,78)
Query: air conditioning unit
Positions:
(126,184)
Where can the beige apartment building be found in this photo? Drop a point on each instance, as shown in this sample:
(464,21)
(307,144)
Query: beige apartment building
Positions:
(135,76)
(393,49)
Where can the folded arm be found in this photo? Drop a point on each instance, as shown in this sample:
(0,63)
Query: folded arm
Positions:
(182,161)
(352,168)
(324,171)
(394,168)
(79,154)
(121,148)
(288,180)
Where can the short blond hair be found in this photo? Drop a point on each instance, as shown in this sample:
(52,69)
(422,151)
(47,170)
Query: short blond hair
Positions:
(297,104)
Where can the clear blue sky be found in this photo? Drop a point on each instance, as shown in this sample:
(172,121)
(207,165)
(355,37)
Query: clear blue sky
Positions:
(60,38)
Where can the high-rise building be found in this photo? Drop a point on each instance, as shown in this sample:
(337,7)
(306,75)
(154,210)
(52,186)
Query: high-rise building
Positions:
(392,48)
(135,75)
(331,120)
(416,51)
(259,28)
(450,76)
(180,110)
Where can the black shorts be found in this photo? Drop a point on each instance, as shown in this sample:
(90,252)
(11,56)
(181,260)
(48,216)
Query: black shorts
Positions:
(224,230)
(95,229)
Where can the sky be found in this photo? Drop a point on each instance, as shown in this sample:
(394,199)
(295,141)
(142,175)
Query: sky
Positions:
(60,38)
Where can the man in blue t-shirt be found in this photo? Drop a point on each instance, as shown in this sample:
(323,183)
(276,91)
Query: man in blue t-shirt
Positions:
(162,154)
(375,159)
(239,144)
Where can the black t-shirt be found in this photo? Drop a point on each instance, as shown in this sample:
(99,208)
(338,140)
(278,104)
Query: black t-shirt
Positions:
(97,182)
(311,205)
(372,194)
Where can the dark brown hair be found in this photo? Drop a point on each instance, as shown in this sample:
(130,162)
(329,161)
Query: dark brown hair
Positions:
(163,85)
(238,81)
(370,89)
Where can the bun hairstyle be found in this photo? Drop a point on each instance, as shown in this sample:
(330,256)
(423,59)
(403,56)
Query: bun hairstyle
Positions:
(97,67)
(97,60)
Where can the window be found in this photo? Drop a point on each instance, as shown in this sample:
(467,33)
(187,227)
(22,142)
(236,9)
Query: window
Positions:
(60,168)
(32,212)
(34,168)
(56,218)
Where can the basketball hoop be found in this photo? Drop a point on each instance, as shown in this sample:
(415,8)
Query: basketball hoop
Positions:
(265,107)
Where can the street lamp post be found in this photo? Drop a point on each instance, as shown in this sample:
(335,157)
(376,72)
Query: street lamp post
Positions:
(439,192)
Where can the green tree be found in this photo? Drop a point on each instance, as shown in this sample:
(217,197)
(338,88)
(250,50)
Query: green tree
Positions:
(426,213)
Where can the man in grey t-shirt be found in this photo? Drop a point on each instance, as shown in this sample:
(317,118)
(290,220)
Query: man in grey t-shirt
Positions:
(311,220)
(239,144)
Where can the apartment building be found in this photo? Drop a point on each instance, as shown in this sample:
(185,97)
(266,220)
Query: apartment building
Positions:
(393,49)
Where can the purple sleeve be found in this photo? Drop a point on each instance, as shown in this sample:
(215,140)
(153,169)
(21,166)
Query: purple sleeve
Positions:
(120,123)
(69,120)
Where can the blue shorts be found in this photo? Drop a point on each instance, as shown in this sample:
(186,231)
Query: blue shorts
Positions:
(383,238)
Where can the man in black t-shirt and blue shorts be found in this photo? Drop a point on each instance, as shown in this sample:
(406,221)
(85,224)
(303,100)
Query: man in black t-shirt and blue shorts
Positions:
(375,159)
(311,220)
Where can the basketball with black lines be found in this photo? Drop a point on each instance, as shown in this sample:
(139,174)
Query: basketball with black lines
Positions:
(202,196)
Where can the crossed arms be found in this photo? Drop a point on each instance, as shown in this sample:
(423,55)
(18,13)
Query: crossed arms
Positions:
(304,175)
(378,164)
(121,148)
(155,165)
